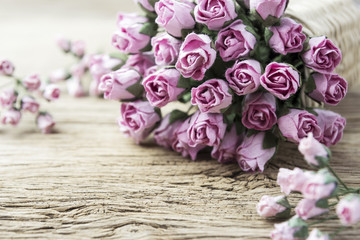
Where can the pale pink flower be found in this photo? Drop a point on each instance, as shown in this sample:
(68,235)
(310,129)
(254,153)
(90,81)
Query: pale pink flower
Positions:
(45,123)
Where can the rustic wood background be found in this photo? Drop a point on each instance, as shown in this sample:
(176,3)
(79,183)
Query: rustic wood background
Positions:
(88,181)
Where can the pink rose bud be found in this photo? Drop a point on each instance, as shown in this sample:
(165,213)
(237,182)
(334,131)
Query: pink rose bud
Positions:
(32,82)
(137,119)
(175,15)
(323,56)
(330,88)
(151,70)
(51,92)
(75,88)
(78,70)
(212,96)
(58,75)
(251,155)
(145,4)
(287,37)
(244,76)
(128,38)
(8,97)
(63,43)
(78,48)
(234,41)
(307,209)
(291,180)
(116,85)
(166,49)
(165,134)
(29,104)
(45,123)
(160,87)
(348,210)
(294,229)
(11,116)
(226,151)
(214,13)
(298,124)
(6,68)
(101,64)
(281,80)
(266,8)
(319,185)
(313,149)
(140,62)
(332,126)
(273,206)
(317,235)
(94,88)
(196,56)
(259,111)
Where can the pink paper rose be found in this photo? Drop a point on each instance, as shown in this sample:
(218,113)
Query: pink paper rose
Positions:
(115,84)
(196,56)
(29,104)
(51,92)
(319,185)
(283,231)
(32,82)
(8,97)
(332,126)
(11,116)
(212,96)
(58,75)
(140,62)
(311,148)
(6,67)
(287,37)
(317,235)
(298,124)
(214,13)
(161,87)
(281,80)
(145,4)
(348,210)
(267,8)
(166,49)
(226,151)
(45,123)
(251,155)
(307,209)
(323,55)
(101,64)
(244,76)
(78,48)
(128,38)
(234,41)
(259,111)
(151,70)
(75,88)
(330,88)
(137,119)
(291,180)
(63,43)
(269,206)
(175,15)
(165,134)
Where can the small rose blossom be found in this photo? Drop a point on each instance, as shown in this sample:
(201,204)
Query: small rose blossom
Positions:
(11,116)
(165,134)
(32,82)
(307,209)
(266,8)
(58,75)
(330,88)
(259,111)
(161,87)
(151,70)
(8,97)
(244,76)
(63,43)
(45,123)
(226,151)
(281,80)
(287,37)
(291,180)
(174,15)
(78,48)
(115,84)
(166,49)
(212,96)
(145,4)
(323,56)
(51,92)
(196,56)
(317,235)
(75,88)
(348,210)
(290,230)
(332,126)
(311,148)
(137,119)
(251,155)
(214,13)
(29,104)
(6,67)
(140,62)
(297,124)
(319,185)
(234,41)
(270,207)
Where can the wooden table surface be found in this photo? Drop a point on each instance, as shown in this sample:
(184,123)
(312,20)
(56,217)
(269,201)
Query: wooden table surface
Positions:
(88,181)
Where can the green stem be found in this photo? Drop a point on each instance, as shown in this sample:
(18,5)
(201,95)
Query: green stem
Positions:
(337,177)
(323,220)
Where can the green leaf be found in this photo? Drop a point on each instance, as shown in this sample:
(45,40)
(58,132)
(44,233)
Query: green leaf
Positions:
(184,82)
(284,214)
(185,32)
(177,115)
(229,118)
(251,132)
(147,48)
(296,222)
(152,2)
(284,202)
(119,55)
(185,97)
(149,29)
(136,89)
(310,84)
(270,140)
(322,203)
(240,128)
(268,34)
(252,31)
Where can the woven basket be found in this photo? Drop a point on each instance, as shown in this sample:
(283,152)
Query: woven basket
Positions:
(340,21)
